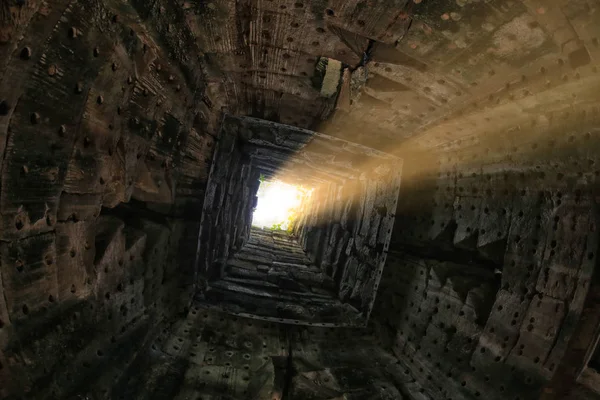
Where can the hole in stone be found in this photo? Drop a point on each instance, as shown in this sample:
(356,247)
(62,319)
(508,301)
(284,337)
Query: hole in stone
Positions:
(277,204)
(4,107)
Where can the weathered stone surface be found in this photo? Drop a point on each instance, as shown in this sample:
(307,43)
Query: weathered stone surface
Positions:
(347,242)
(132,136)
(256,282)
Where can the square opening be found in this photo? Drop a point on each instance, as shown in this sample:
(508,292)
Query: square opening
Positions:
(278,204)
(291,235)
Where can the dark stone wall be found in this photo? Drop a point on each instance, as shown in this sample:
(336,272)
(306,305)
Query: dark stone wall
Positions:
(103,171)
(271,278)
(207,354)
(228,205)
(346,228)
(490,265)
(81,300)
(108,111)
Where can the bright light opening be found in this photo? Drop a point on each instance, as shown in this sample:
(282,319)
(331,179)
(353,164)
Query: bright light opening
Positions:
(277,204)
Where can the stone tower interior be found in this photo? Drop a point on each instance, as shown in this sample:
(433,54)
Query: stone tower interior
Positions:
(446,250)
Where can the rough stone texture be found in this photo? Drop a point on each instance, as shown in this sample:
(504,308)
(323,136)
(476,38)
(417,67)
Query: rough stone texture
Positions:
(472,69)
(103,173)
(345,225)
(228,204)
(210,355)
(271,278)
(346,228)
(492,264)
(110,113)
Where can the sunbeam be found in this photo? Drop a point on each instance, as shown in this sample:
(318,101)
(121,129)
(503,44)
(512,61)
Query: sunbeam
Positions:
(277,204)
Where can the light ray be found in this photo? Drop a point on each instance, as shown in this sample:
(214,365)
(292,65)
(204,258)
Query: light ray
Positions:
(277,204)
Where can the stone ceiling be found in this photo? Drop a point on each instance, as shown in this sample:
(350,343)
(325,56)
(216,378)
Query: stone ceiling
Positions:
(264,54)
(477,68)
(429,71)
(426,70)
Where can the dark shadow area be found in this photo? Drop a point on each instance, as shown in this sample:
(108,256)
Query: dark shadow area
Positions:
(272,277)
